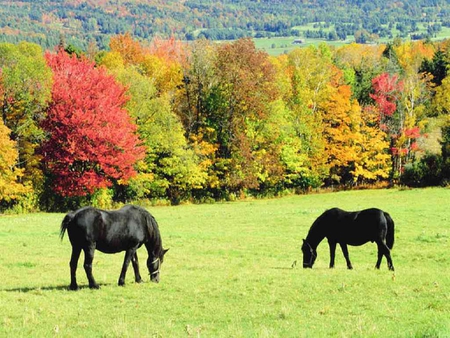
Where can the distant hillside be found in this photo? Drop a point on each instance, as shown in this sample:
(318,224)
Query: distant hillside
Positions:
(80,22)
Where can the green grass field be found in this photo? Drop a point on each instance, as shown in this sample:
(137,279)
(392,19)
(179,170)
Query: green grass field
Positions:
(228,274)
(279,45)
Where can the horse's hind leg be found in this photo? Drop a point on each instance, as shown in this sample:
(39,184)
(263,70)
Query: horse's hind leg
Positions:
(135,262)
(88,258)
(380,257)
(346,256)
(73,267)
(383,250)
(128,257)
(389,260)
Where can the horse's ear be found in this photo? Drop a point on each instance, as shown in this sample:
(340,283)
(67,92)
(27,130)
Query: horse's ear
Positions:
(303,240)
(165,251)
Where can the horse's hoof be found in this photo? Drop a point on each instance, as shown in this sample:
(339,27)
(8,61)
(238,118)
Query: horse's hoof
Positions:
(139,281)
(94,286)
(73,287)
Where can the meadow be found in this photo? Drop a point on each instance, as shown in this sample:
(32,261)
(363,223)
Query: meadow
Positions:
(283,45)
(229,273)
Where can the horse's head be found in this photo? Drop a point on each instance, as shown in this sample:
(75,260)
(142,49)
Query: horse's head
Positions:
(309,255)
(154,265)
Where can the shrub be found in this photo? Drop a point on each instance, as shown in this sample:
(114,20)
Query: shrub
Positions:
(427,172)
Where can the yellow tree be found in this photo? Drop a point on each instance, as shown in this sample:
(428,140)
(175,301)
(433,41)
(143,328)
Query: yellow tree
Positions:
(356,148)
(341,119)
(442,97)
(10,187)
(373,161)
(164,62)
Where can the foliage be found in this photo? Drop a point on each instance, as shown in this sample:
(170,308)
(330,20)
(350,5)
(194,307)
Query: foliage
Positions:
(427,172)
(170,168)
(25,83)
(236,109)
(373,158)
(360,64)
(84,22)
(92,141)
(341,118)
(203,121)
(308,72)
(10,186)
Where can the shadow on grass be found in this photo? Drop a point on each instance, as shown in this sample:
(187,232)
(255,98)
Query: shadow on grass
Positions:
(46,288)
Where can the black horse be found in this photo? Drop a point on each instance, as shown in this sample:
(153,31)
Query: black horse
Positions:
(111,232)
(350,228)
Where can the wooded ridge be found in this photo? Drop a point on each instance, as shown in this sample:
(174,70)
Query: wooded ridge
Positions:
(81,22)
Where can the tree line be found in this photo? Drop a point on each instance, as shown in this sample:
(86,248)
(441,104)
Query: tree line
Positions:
(201,122)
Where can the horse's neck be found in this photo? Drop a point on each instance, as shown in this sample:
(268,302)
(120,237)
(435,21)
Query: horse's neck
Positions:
(314,238)
(154,244)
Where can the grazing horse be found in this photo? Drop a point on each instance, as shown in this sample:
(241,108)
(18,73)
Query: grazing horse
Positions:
(125,229)
(350,228)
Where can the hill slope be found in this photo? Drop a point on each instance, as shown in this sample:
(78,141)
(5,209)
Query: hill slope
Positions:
(44,22)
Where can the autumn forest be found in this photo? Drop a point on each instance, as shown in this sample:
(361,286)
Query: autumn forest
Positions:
(201,122)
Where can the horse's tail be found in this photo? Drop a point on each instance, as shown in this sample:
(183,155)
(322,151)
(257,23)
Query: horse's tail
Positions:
(390,231)
(65,224)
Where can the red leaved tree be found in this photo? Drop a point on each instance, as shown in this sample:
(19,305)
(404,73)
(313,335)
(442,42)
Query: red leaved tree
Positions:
(393,120)
(92,140)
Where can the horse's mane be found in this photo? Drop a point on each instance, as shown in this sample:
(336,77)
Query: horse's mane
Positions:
(316,224)
(153,231)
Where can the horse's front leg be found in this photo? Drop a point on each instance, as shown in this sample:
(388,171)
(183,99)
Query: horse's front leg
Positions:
(346,256)
(88,258)
(128,256)
(73,267)
(135,262)
(332,246)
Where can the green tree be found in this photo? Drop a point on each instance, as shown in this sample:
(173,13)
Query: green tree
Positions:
(26,81)
(310,71)
(170,168)
(237,107)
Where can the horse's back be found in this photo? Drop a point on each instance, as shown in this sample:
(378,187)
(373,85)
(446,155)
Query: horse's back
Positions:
(112,231)
(355,227)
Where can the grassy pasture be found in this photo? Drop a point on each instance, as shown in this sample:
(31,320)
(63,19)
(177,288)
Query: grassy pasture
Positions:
(280,45)
(228,274)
